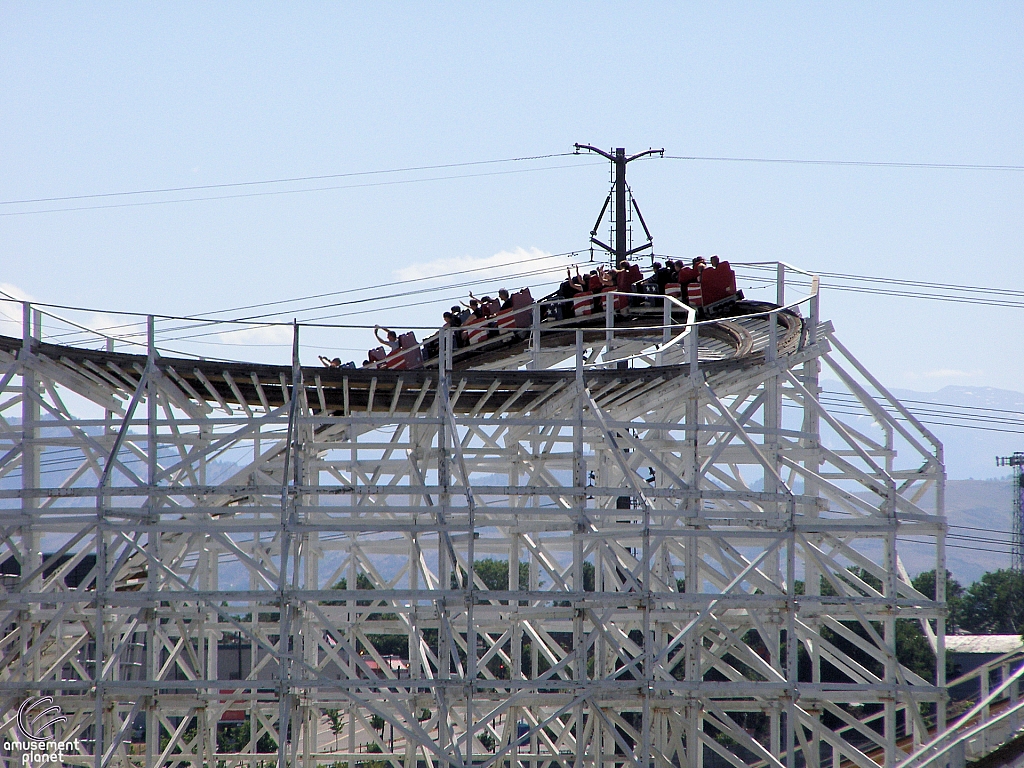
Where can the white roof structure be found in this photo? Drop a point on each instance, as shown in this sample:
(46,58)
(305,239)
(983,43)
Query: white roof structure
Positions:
(983,643)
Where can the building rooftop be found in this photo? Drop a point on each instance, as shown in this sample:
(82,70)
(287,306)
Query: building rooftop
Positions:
(983,643)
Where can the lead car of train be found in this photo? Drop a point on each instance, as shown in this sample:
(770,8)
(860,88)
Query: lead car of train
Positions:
(636,302)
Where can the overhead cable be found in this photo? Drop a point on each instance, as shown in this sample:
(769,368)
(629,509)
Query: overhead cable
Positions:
(569,254)
(274,192)
(851,163)
(293,179)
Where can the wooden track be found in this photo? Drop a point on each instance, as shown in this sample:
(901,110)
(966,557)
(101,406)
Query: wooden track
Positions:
(730,343)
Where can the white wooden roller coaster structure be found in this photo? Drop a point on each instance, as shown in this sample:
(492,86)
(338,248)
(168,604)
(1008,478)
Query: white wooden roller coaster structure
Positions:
(645,542)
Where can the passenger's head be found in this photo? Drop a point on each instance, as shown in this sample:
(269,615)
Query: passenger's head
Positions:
(336,362)
(623,264)
(697,260)
(656,266)
(392,336)
(503,294)
(447,317)
(714,260)
(474,303)
(456,311)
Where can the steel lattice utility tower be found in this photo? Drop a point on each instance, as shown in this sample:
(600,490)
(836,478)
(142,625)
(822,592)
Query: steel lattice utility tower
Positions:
(213,563)
(1016,462)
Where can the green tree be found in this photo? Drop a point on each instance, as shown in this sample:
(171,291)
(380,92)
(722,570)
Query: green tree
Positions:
(377,723)
(233,739)
(335,722)
(362,582)
(375,750)
(494,573)
(925,584)
(386,645)
(187,737)
(487,741)
(994,605)
(913,650)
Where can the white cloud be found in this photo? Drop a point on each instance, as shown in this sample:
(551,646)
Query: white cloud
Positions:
(73,331)
(950,373)
(500,264)
(118,326)
(942,375)
(8,325)
(10,311)
(128,331)
(15,292)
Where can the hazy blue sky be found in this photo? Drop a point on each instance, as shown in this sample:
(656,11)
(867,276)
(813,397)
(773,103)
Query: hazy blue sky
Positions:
(108,97)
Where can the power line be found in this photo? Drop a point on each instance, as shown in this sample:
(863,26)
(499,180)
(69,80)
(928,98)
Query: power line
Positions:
(202,318)
(318,320)
(852,397)
(928,296)
(321,318)
(271,193)
(941,286)
(1017,420)
(940,409)
(958,298)
(261,321)
(937,414)
(401,294)
(321,177)
(855,277)
(570,254)
(953,546)
(471,163)
(229,321)
(966,407)
(894,280)
(931,421)
(851,163)
(976,528)
(978,539)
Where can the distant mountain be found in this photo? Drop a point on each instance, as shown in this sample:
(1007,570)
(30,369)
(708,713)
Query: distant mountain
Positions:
(975,509)
(978,493)
(970,453)
(975,424)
